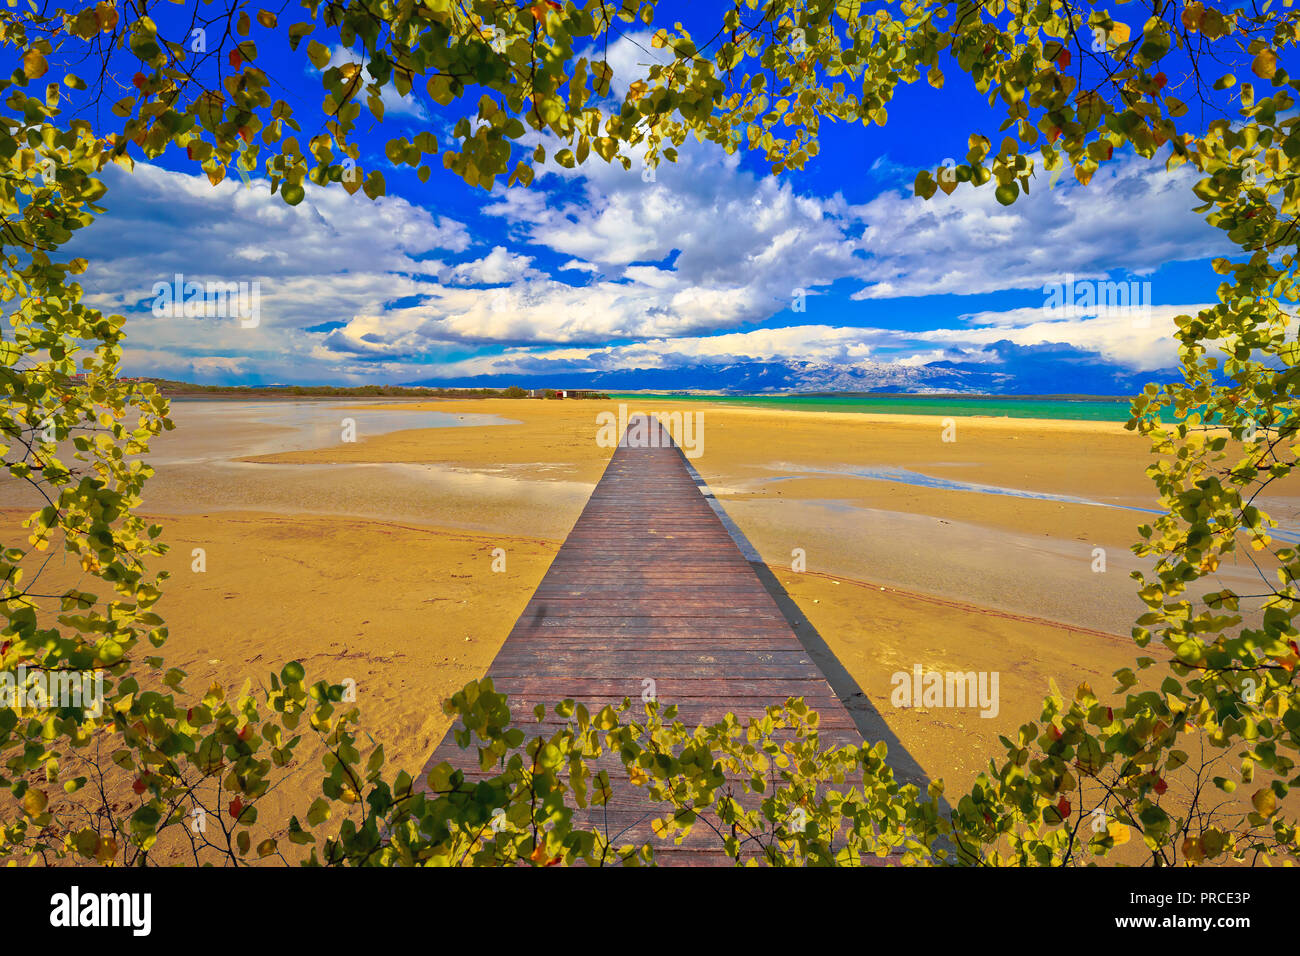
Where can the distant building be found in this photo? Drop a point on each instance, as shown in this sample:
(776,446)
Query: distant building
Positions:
(561,392)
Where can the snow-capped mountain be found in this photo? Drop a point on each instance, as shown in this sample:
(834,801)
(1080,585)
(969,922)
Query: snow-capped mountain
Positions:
(1003,368)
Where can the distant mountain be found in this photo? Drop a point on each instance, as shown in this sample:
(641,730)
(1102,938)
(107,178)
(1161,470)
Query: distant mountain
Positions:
(1050,369)
(1001,369)
(741,377)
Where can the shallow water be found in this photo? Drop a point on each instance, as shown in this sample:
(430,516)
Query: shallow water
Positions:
(908,477)
(221,431)
(427,494)
(198,469)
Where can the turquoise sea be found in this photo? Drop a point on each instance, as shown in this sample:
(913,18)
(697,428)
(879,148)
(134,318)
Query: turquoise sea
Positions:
(1085,409)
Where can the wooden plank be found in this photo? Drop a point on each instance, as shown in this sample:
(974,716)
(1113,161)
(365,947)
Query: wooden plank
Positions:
(691,710)
(649,584)
(544,655)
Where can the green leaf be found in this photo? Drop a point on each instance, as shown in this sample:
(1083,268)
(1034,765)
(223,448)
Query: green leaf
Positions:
(319,811)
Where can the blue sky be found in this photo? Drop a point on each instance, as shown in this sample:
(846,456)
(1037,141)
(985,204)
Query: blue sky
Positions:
(598,270)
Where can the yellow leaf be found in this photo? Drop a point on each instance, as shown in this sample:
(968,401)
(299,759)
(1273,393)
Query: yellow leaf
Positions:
(34,65)
(1265,64)
(106,850)
(1119,832)
(1265,801)
(34,802)
(106,15)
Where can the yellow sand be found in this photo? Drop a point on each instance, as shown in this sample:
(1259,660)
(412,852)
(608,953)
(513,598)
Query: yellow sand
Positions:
(873,632)
(385,576)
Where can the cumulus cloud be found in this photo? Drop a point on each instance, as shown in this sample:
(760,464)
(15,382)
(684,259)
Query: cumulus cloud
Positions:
(1142,339)
(160,223)
(321,262)
(1133,218)
(499,265)
(811,343)
(679,268)
(705,230)
(703,246)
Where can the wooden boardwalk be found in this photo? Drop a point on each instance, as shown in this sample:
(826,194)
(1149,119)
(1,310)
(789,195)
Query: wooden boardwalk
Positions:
(650,584)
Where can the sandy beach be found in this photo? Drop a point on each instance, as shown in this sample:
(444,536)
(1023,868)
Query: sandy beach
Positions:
(372,559)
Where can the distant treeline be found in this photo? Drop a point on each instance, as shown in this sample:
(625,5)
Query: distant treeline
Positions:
(170,387)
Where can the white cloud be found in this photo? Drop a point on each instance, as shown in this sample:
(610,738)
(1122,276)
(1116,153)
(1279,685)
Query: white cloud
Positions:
(813,343)
(1133,217)
(705,246)
(680,268)
(160,223)
(329,258)
(1141,340)
(707,231)
(499,265)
